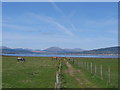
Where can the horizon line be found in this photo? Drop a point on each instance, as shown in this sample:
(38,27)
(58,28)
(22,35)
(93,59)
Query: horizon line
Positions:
(62,48)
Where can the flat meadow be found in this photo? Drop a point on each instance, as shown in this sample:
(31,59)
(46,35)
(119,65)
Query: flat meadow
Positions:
(40,72)
(36,72)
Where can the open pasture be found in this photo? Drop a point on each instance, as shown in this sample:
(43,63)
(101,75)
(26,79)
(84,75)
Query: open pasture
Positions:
(36,72)
(40,72)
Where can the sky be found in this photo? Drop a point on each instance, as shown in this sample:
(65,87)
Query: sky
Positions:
(39,25)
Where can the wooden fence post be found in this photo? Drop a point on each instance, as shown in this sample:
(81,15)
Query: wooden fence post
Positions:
(109,74)
(87,66)
(84,65)
(81,64)
(95,69)
(101,71)
(58,83)
(91,67)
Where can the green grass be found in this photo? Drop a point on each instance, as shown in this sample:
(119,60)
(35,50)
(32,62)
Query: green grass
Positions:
(67,80)
(105,62)
(78,80)
(37,72)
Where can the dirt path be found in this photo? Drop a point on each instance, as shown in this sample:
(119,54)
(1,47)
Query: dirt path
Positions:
(79,76)
(71,70)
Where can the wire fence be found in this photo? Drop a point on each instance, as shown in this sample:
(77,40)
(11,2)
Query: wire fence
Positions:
(101,71)
(58,82)
(105,72)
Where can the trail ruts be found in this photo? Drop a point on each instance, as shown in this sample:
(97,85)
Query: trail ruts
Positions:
(79,77)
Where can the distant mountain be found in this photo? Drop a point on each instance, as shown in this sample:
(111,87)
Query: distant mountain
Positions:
(6,50)
(4,47)
(108,50)
(57,50)
(54,49)
(74,50)
(60,50)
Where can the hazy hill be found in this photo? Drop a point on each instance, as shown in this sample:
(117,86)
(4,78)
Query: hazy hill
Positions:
(74,50)
(60,50)
(6,50)
(4,47)
(108,50)
(57,50)
(54,49)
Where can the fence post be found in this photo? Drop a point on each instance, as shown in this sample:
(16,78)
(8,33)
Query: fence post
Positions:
(87,66)
(58,83)
(84,65)
(109,74)
(95,69)
(91,67)
(81,64)
(101,71)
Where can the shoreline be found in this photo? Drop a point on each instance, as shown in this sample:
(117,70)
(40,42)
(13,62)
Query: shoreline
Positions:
(73,56)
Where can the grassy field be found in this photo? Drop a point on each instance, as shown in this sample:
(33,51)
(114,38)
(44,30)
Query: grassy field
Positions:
(37,72)
(40,72)
(95,79)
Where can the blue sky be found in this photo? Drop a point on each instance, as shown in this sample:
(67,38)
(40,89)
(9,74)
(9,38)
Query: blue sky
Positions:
(39,25)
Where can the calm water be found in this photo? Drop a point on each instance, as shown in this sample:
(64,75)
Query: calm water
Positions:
(42,55)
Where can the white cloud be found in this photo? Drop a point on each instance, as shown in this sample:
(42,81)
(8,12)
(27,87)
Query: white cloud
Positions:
(57,24)
(56,7)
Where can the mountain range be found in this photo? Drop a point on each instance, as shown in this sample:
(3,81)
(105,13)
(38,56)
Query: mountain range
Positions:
(108,50)
(57,50)
(60,50)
